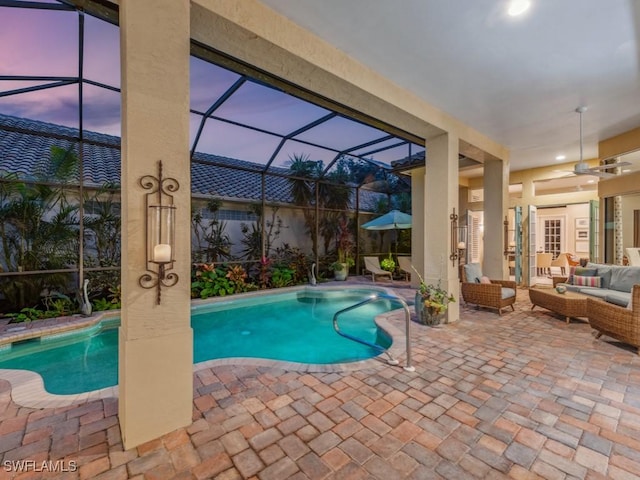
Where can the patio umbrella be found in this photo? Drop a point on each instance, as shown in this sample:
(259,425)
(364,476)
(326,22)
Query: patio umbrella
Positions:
(394,220)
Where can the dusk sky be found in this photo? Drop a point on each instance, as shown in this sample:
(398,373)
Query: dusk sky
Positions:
(45,43)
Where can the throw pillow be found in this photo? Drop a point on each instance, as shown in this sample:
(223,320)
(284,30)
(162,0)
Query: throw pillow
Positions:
(485,279)
(581,271)
(472,272)
(586,281)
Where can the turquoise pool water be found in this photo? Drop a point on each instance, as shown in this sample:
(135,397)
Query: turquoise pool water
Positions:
(293,327)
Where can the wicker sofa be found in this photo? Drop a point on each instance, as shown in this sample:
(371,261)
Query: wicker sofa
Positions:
(496,294)
(615,321)
(615,282)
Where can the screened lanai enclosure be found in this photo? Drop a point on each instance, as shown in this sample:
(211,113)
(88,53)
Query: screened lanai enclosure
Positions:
(280,178)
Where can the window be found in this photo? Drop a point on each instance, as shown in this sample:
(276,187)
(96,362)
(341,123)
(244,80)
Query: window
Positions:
(238,215)
(552,235)
(475,237)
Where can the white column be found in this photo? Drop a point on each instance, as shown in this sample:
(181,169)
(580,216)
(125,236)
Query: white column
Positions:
(156,341)
(496,201)
(434,193)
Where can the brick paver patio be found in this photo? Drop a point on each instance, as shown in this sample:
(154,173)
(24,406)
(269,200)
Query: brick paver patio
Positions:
(520,396)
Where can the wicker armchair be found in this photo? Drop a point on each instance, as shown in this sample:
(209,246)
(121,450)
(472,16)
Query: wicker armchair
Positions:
(618,322)
(487,294)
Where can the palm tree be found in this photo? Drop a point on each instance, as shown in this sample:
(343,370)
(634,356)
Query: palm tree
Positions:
(335,196)
(39,227)
(303,191)
(213,244)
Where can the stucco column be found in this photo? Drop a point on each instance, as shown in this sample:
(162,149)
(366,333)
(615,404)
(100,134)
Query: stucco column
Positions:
(156,341)
(528,198)
(496,201)
(434,193)
(418,222)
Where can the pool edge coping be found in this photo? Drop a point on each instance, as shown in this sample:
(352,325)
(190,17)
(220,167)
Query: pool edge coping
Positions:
(27,387)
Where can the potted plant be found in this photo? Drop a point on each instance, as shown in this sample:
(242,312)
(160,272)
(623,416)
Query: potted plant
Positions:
(341,266)
(431,302)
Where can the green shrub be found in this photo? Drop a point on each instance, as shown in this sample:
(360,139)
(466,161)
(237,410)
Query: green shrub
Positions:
(27,314)
(388,264)
(101,304)
(211,281)
(282,277)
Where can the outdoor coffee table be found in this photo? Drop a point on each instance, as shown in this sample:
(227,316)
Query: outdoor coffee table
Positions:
(568,304)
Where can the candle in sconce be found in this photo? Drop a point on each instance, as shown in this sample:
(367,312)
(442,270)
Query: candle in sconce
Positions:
(462,246)
(162,253)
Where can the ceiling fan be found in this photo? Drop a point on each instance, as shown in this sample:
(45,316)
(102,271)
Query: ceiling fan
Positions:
(581,168)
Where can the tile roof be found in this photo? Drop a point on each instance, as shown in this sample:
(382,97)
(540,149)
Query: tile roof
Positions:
(25,148)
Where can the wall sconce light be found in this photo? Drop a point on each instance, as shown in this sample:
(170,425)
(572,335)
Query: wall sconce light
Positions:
(506,237)
(160,231)
(462,244)
(455,254)
(458,239)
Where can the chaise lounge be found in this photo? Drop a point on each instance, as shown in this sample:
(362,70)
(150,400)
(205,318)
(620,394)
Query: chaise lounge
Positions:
(404,265)
(372,265)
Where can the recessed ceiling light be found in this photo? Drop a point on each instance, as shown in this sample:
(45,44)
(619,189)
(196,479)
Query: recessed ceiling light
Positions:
(518,7)
(591,181)
(626,170)
(561,157)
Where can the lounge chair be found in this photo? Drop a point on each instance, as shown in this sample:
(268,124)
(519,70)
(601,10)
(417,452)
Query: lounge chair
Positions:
(633,255)
(404,264)
(497,294)
(372,265)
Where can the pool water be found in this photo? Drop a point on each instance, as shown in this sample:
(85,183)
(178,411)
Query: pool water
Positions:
(296,327)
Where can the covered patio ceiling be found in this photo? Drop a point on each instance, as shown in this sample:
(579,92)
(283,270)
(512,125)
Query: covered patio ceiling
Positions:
(516,79)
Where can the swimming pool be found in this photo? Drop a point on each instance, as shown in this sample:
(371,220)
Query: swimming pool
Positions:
(294,326)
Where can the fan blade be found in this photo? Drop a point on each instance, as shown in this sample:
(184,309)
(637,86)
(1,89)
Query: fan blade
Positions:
(611,165)
(596,173)
(570,174)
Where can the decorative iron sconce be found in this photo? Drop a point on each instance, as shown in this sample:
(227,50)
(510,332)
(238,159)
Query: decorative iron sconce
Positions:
(506,237)
(160,232)
(455,254)
(458,239)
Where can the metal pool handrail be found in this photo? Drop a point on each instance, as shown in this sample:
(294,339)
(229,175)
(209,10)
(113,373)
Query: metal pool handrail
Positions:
(374,298)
